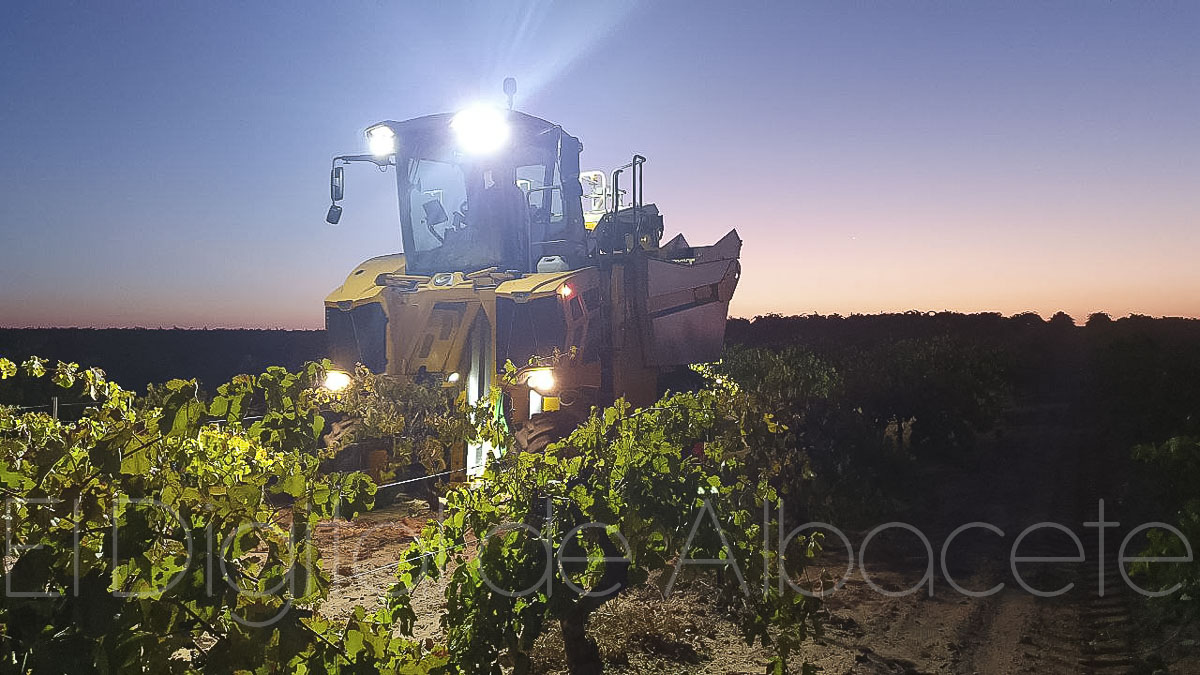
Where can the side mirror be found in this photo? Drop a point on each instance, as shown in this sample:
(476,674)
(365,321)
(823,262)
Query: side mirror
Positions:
(334,215)
(337,184)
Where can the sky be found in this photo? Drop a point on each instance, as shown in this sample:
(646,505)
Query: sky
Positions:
(166,164)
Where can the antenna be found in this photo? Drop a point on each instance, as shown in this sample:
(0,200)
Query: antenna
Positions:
(510,90)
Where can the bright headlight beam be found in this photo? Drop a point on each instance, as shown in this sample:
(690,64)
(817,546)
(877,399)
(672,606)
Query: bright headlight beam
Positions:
(541,380)
(336,380)
(381,140)
(481,130)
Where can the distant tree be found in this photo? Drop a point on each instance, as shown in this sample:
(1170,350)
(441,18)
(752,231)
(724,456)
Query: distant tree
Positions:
(1062,319)
(1027,319)
(737,329)
(1098,319)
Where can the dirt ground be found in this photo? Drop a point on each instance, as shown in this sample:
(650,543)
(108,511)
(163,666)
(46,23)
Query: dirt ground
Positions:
(1039,467)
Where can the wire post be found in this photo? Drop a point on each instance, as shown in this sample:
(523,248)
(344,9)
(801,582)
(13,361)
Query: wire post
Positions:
(54,407)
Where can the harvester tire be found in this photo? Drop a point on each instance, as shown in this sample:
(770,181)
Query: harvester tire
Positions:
(545,428)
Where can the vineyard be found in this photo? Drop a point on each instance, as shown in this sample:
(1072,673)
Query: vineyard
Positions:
(237,531)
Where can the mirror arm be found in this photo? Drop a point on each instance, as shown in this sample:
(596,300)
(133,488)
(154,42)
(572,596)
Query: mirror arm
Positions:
(346,159)
(334,215)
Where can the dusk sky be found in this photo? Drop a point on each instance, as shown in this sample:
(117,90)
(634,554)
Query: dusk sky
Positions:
(167,164)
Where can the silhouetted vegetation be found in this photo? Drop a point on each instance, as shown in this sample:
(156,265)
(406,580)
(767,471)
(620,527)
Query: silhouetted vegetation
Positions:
(137,357)
(1131,383)
(1142,367)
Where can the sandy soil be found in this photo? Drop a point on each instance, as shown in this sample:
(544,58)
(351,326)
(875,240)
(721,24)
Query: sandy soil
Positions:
(1041,468)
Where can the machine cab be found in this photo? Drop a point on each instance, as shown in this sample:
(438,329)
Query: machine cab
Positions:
(482,188)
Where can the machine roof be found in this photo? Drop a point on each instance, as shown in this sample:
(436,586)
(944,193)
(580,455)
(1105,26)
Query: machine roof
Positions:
(436,126)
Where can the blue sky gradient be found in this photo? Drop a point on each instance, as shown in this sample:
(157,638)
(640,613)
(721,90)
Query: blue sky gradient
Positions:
(166,164)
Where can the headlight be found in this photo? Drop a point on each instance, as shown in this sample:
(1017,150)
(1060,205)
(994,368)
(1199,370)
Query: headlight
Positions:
(541,380)
(480,130)
(336,380)
(381,140)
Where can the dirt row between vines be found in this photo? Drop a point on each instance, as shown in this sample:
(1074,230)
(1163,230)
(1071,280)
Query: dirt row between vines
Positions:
(1038,467)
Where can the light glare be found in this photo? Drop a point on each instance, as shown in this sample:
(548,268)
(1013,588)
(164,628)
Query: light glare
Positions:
(336,380)
(480,130)
(541,380)
(381,140)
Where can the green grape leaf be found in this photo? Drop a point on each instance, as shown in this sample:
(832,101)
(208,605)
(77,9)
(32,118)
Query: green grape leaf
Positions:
(34,367)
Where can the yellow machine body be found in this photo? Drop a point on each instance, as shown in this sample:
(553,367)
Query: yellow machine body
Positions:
(604,311)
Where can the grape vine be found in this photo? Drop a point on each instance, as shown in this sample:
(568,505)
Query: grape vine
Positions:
(148,540)
(175,535)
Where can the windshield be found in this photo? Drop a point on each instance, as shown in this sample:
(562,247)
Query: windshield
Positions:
(466,212)
(464,217)
(437,194)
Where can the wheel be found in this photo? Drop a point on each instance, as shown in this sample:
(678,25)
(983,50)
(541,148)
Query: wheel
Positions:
(545,428)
